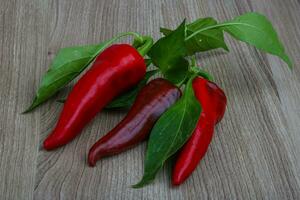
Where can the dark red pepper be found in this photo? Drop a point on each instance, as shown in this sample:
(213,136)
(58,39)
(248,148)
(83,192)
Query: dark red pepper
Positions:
(114,71)
(152,101)
(213,103)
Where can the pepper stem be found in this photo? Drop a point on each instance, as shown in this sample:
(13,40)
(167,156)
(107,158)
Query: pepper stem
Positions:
(201,72)
(143,44)
(194,69)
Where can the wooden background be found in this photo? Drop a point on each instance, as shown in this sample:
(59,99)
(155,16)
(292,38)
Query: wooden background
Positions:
(256,148)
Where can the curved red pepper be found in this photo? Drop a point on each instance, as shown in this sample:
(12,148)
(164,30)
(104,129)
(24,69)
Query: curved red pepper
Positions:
(213,103)
(114,71)
(152,101)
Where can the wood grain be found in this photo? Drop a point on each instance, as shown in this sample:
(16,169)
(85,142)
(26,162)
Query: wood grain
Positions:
(256,148)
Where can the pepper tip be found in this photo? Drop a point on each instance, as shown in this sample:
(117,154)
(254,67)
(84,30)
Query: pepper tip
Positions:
(176,182)
(91,160)
(48,145)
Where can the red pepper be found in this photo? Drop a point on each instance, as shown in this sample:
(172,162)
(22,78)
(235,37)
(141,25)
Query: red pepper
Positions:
(213,103)
(152,101)
(114,71)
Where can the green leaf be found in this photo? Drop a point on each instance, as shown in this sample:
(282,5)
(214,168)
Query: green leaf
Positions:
(67,65)
(127,99)
(170,133)
(257,30)
(204,41)
(252,28)
(168,55)
(165,31)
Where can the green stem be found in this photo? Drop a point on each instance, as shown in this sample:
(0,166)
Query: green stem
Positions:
(182,82)
(136,35)
(193,69)
(193,60)
(142,43)
(211,27)
(200,72)
(145,45)
(205,75)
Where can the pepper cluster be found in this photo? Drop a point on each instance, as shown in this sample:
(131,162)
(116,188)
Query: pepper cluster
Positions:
(173,121)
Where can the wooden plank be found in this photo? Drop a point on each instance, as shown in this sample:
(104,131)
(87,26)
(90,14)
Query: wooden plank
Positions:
(254,154)
(22,57)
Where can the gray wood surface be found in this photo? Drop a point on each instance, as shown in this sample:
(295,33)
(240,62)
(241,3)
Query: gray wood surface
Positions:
(256,148)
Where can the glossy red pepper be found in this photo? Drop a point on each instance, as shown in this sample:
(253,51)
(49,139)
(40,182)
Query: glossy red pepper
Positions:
(114,71)
(213,103)
(151,102)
